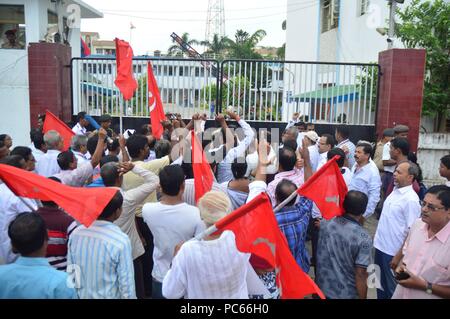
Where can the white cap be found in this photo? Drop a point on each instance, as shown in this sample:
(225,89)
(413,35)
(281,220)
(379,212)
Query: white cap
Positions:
(312,136)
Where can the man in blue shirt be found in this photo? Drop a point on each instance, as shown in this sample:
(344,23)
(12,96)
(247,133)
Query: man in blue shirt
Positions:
(293,220)
(31,276)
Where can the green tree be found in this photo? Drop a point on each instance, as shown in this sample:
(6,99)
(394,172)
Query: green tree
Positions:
(176,50)
(217,46)
(243,46)
(425,24)
(281,52)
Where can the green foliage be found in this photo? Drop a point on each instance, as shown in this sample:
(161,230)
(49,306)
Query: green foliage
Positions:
(368,82)
(426,24)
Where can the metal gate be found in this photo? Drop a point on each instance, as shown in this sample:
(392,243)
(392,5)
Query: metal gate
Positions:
(187,86)
(258,90)
(322,92)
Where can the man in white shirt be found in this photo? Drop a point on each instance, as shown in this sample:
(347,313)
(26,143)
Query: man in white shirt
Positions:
(366,177)
(300,126)
(345,171)
(78,146)
(326,143)
(342,134)
(47,165)
(39,147)
(108,272)
(311,139)
(171,221)
(212,268)
(10,207)
(444,169)
(82,123)
(112,175)
(400,210)
(76,175)
(224,173)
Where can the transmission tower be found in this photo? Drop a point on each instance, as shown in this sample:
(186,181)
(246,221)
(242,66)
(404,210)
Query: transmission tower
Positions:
(215,21)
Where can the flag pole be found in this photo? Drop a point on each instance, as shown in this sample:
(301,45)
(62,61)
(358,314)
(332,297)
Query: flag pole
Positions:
(22,199)
(120,113)
(27,204)
(210,230)
(291,197)
(287,200)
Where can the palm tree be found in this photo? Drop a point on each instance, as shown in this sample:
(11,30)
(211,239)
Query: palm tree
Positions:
(217,46)
(243,46)
(176,50)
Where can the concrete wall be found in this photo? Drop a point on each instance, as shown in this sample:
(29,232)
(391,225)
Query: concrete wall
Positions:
(302,30)
(432,147)
(355,40)
(14,82)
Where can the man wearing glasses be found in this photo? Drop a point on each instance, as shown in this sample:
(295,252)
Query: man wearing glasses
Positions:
(425,266)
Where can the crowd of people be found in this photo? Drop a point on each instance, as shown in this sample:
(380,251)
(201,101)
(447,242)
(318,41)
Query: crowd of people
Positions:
(142,244)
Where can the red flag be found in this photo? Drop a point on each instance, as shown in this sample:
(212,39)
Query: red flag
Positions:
(327,189)
(155,104)
(83,204)
(124,60)
(54,123)
(84,48)
(203,177)
(257,232)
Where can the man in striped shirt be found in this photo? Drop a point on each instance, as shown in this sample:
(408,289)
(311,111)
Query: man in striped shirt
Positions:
(112,175)
(59,227)
(102,256)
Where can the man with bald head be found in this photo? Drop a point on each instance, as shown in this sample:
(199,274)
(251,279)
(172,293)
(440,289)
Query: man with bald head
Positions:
(47,165)
(400,210)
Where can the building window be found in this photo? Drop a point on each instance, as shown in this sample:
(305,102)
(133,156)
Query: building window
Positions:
(363,5)
(330,14)
(99,51)
(12,27)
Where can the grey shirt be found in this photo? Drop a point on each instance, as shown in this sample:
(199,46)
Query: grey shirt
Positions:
(343,245)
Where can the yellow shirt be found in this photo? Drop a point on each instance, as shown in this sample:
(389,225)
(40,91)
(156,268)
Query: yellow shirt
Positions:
(131,180)
(378,156)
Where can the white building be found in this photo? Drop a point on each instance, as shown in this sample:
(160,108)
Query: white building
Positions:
(337,30)
(34,21)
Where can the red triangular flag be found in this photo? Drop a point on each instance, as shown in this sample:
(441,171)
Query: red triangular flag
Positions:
(155,104)
(257,232)
(83,204)
(327,189)
(124,61)
(54,123)
(203,176)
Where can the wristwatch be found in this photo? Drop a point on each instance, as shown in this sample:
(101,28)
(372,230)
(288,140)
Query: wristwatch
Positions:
(429,289)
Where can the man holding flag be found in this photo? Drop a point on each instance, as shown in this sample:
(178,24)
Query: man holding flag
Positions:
(344,251)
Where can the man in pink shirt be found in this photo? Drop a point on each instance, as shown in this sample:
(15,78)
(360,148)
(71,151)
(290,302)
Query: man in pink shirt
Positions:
(287,169)
(424,272)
